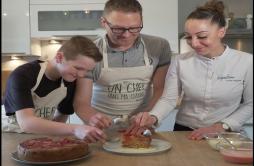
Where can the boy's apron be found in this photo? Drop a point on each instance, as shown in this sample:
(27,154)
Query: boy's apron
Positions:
(44,107)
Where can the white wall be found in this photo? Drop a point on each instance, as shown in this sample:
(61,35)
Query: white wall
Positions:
(160,18)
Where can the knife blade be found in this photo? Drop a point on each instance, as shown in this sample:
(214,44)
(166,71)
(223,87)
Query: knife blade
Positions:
(147,133)
(121,122)
(118,124)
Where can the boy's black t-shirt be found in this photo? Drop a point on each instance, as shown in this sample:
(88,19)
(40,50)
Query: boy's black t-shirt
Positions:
(18,90)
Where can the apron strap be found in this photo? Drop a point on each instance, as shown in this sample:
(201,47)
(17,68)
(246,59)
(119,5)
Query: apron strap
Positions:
(145,53)
(40,75)
(105,53)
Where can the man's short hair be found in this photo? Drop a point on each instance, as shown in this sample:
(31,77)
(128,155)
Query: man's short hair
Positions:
(122,5)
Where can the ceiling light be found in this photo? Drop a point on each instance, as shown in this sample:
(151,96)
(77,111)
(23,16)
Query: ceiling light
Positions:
(13,57)
(52,41)
(87,11)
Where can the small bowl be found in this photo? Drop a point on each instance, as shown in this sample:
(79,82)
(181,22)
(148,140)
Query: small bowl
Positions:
(214,139)
(243,154)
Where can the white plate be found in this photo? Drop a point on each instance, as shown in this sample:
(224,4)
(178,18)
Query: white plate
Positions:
(14,156)
(157,145)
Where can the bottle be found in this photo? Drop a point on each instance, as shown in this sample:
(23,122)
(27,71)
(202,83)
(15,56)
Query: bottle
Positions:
(227,22)
(249,21)
(230,20)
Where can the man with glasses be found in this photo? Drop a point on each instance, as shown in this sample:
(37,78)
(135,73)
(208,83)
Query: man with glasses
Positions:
(131,76)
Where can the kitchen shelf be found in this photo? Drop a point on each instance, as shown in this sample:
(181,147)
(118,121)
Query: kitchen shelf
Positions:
(232,34)
(240,35)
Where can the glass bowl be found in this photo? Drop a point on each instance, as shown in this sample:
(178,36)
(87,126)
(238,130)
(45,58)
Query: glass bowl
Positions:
(215,139)
(242,154)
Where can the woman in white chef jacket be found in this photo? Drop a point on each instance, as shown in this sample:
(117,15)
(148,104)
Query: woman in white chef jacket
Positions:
(216,82)
(39,94)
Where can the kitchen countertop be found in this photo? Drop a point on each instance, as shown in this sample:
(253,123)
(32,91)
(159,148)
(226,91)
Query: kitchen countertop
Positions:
(183,152)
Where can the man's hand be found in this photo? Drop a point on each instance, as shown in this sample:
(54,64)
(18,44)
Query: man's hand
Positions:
(198,134)
(89,134)
(141,122)
(143,119)
(135,130)
(100,121)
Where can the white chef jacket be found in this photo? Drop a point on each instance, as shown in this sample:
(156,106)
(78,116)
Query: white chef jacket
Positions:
(213,89)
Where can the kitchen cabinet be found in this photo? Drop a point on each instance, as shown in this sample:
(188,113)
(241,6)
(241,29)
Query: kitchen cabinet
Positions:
(67,2)
(248,128)
(48,20)
(242,41)
(74,119)
(168,123)
(15,26)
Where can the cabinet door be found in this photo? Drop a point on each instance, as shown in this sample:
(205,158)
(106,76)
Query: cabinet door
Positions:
(65,20)
(15,26)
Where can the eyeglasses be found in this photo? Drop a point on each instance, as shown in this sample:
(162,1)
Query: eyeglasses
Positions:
(122,29)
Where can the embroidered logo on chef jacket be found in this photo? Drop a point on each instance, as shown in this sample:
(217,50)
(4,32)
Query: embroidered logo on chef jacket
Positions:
(228,78)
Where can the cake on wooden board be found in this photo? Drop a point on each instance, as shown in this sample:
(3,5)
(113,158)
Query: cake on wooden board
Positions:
(51,149)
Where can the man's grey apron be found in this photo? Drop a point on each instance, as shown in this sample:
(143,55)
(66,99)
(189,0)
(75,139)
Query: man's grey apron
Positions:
(122,91)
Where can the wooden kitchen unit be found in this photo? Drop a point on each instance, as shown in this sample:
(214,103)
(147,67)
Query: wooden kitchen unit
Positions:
(184,152)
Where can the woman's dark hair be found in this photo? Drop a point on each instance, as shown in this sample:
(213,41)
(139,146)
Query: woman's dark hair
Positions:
(213,10)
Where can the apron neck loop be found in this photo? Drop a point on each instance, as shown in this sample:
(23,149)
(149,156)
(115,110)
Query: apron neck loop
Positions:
(146,59)
(62,83)
(105,53)
(40,75)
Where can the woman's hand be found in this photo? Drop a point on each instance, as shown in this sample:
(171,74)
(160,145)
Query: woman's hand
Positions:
(100,121)
(198,134)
